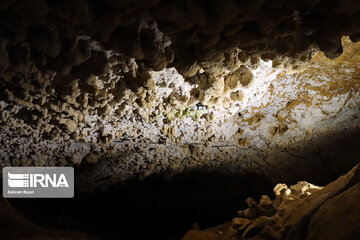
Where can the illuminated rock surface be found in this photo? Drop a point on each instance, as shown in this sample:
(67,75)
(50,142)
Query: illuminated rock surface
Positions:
(253,118)
(143,94)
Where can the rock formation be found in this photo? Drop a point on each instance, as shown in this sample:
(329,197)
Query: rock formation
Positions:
(124,115)
(301,211)
(127,90)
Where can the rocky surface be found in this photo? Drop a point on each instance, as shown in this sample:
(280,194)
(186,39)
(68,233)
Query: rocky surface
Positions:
(113,86)
(200,31)
(301,211)
(254,118)
(122,130)
(124,89)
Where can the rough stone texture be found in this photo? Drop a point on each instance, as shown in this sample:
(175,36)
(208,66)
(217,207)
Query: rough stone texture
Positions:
(114,88)
(252,121)
(200,31)
(303,211)
(115,80)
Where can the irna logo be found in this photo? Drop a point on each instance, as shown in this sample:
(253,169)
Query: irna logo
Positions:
(36,180)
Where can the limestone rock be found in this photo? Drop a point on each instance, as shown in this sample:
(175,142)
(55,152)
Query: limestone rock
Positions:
(316,213)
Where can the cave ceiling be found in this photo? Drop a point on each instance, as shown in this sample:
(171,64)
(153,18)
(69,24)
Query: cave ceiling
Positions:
(142,87)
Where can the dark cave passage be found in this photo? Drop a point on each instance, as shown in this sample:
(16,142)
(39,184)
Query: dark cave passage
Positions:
(150,209)
(158,209)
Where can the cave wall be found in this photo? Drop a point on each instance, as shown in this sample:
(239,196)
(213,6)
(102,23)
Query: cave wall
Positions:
(199,29)
(301,211)
(110,86)
(264,90)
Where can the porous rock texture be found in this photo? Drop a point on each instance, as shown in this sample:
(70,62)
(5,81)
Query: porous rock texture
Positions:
(302,211)
(109,85)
